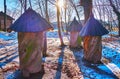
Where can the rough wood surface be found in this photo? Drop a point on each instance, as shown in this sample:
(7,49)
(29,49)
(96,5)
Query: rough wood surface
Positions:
(92,48)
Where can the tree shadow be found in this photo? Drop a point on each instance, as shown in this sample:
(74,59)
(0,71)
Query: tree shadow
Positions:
(5,60)
(8,58)
(60,62)
(90,70)
(112,55)
(15,75)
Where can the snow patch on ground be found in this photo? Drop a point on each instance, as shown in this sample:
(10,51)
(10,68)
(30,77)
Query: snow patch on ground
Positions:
(68,65)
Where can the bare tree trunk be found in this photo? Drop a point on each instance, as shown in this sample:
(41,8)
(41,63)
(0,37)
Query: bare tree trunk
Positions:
(92,50)
(21,1)
(58,20)
(46,10)
(25,5)
(69,13)
(87,5)
(5,19)
(5,15)
(77,13)
(44,36)
(30,3)
(65,9)
(40,8)
(117,13)
(61,23)
(75,9)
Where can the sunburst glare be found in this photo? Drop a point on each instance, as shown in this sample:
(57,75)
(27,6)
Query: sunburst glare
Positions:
(60,3)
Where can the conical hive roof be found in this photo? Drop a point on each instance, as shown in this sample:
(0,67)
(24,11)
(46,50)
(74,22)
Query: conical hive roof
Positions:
(74,26)
(30,21)
(93,28)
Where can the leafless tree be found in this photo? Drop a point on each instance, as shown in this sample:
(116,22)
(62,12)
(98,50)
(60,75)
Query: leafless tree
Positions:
(14,11)
(30,3)
(87,5)
(46,10)
(40,4)
(75,8)
(55,2)
(45,39)
(69,14)
(106,13)
(65,13)
(23,4)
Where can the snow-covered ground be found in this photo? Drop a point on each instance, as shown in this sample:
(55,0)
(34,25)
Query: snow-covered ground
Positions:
(65,63)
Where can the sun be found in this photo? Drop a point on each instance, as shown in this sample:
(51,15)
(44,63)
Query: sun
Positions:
(60,3)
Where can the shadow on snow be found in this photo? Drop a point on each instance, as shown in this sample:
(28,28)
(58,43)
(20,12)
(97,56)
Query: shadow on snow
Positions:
(60,62)
(92,71)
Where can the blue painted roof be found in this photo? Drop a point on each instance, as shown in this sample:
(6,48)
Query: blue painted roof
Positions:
(93,28)
(74,26)
(30,21)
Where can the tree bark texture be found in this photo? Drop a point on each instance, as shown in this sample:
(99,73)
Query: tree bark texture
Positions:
(92,48)
(58,21)
(46,11)
(87,5)
(74,40)
(30,52)
(44,46)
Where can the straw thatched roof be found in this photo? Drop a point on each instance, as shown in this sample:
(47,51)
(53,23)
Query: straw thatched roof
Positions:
(30,21)
(75,26)
(93,28)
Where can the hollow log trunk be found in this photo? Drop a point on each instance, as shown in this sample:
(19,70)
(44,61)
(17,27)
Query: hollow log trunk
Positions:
(74,39)
(30,52)
(92,48)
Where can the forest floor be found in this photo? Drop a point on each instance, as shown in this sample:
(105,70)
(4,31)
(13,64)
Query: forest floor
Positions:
(62,62)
